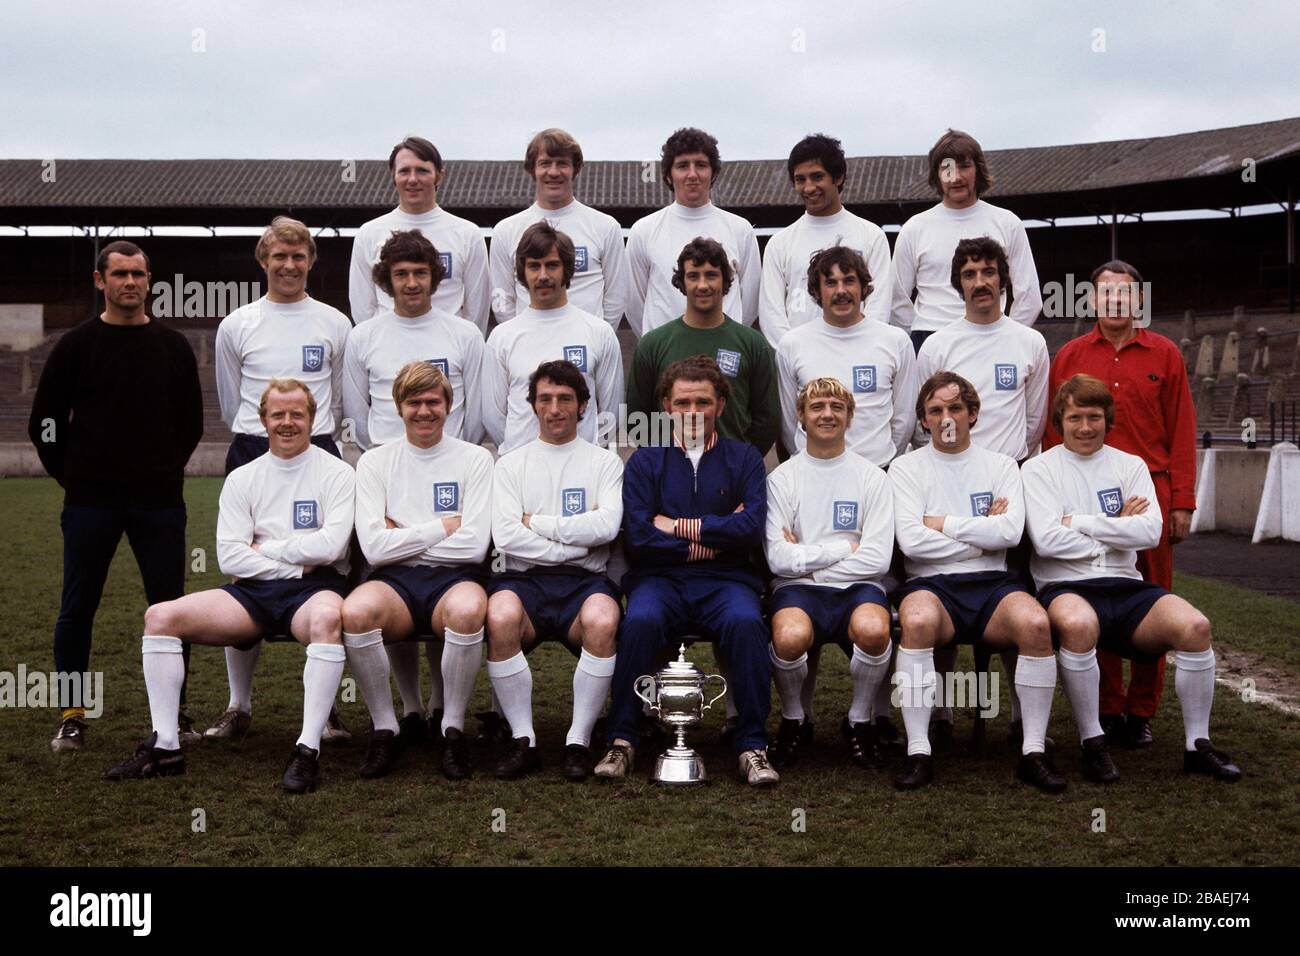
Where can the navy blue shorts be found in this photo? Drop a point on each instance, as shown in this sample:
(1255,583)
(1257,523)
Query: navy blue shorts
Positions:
(272,604)
(421,587)
(829,608)
(552,597)
(969,599)
(1120,605)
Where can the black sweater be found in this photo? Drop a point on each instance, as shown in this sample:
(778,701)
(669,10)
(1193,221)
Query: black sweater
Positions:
(125,411)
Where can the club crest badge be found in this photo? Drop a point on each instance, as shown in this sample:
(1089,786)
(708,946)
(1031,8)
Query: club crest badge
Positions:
(845,516)
(445,257)
(446,496)
(304,515)
(575,501)
(1005,377)
(729,362)
(1112,501)
(442,366)
(864,378)
(577,354)
(313,358)
(980,502)
(579,258)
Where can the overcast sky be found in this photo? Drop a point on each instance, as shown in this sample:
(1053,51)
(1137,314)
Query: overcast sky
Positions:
(339,79)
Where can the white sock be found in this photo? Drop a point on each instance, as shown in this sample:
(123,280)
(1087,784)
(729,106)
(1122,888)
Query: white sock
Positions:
(810,682)
(512,679)
(945,662)
(240,666)
(404,664)
(914,672)
(881,706)
(868,673)
(1194,684)
(591,680)
(789,679)
(461,658)
(1009,668)
(369,665)
(1082,679)
(164,672)
(433,651)
(1036,680)
(320,682)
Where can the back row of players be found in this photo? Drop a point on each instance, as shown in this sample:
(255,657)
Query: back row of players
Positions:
(955,507)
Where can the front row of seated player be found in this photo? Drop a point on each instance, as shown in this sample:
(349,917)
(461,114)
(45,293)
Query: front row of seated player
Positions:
(428,507)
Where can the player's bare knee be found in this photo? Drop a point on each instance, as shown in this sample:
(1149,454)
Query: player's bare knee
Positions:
(466,611)
(1033,633)
(326,625)
(871,638)
(1196,636)
(359,615)
(161,619)
(504,617)
(790,639)
(920,625)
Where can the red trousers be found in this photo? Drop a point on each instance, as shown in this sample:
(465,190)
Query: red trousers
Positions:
(1146,678)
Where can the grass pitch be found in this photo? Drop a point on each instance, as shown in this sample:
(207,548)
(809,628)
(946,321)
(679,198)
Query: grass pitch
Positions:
(55,809)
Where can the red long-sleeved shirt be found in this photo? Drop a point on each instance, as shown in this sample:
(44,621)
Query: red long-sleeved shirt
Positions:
(1154,415)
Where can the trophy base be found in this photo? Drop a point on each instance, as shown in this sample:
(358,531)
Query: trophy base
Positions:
(679,768)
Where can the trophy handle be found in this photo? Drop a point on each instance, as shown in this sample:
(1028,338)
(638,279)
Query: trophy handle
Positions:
(636,689)
(721,693)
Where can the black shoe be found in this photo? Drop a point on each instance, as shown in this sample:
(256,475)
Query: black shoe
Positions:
(1095,761)
(434,733)
(411,731)
(1016,736)
(807,736)
(864,748)
(493,730)
(578,763)
(728,734)
(303,772)
(1036,769)
(1214,763)
(455,756)
(888,734)
(381,754)
(522,758)
(789,738)
(1139,732)
(148,761)
(941,734)
(917,772)
(1115,729)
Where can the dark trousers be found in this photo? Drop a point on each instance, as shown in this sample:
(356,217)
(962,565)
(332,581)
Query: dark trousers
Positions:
(90,538)
(245,448)
(663,608)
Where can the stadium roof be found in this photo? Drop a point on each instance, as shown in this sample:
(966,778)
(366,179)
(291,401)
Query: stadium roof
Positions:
(1188,171)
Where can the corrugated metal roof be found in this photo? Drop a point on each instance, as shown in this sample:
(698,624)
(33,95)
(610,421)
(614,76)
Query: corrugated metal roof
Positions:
(85,185)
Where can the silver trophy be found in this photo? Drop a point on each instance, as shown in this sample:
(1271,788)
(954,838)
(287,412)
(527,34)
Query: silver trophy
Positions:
(678,702)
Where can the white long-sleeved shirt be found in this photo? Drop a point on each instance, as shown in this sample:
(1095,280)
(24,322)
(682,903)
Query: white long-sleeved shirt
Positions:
(265,340)
(1007,363)
(923,260)
(298,511)
(600,279)
(534,336)
(417,488)
(872,360)
(653,245)
(784,302)
(378,349)
(1091,489)
(573,494)
(828,504)
(463,291)
(960,488)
